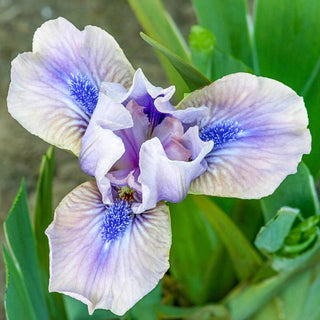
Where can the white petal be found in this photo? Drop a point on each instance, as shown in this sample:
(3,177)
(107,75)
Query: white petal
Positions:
(101,148)
(42,103)
(106,275)
(274,135)
(93,49)
(39,94)
(165,179)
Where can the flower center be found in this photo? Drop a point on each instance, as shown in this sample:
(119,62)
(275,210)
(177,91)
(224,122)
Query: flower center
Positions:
(155,117)
(116,220)
(84,92)
(221,133)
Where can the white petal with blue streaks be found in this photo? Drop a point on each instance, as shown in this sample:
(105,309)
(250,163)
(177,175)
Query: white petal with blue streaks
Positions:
(106,273)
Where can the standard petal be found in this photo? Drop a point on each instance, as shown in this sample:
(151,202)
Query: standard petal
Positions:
(101,148)
(165,179)
(259,126)
(106,274)
(54,90)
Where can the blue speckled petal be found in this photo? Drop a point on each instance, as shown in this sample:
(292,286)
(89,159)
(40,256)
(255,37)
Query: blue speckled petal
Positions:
(54,89)
(259,127)
(106,271)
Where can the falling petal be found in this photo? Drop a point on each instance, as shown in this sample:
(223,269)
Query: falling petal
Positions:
(102,255)
(259,127)
(54,90)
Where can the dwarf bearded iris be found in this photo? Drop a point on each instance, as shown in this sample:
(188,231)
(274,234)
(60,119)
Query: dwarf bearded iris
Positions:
(110,239)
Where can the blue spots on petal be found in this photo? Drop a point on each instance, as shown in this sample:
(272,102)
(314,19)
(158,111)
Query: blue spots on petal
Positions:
(117,217)
(221,133)
(84,92)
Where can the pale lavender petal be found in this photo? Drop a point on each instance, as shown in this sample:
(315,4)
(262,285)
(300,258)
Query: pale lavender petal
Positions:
(106,271)
(92,50)
(259,127)
(101,148)
(133,136)
(170,132)
(42,103)
(54,90)
(165,179)
(142,89)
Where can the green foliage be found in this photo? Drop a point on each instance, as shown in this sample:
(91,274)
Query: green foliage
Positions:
(202,43)
(244,257)
(17,301)
(159,26)
(21,242)
(297,191)
(193,78)
(196,254)
(144,309)
(272,236)
(209,59)
(227,20)
(287,36)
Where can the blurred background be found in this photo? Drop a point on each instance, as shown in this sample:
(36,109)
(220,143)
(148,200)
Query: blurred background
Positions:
(21,152)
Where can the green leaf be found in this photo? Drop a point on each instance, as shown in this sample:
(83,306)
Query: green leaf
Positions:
(296,191)
(249,299)
(209,59)
(297,301)
(159,26)
(146,307)
(244,257)
(43,216)
(227,20)
(193,78)
(223,64)
(288,54)
(17,302)
(43,212)
(271,238)
(22,244)
(311,99)
(201,42)
(172,312)
(199,268)
(291,54)
(208,312)
(76,310)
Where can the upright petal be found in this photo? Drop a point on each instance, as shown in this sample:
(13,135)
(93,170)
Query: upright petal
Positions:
(164,179)
(54,90)
(106,271)
(101,148)
(259,127)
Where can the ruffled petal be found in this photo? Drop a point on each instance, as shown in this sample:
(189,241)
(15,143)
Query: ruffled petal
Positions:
(106,274)
(54,90)
(259,126)
(101,148)
(165,179)
(41,103)
(92,51)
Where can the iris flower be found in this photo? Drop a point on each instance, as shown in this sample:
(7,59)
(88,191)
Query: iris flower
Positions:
(110,239)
